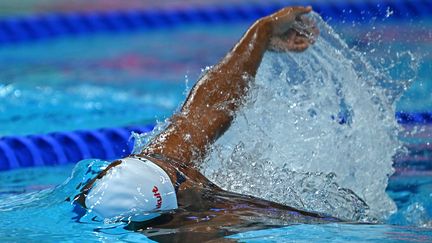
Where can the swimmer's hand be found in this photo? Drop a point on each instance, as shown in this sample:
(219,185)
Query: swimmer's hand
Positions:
(291,31)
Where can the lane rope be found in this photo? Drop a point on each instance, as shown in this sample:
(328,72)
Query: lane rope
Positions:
(54,25)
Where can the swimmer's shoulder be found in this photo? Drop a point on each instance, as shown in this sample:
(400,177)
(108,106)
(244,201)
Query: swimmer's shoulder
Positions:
(183,175)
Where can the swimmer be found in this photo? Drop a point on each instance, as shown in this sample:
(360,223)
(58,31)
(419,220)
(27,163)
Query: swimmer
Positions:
(170,198)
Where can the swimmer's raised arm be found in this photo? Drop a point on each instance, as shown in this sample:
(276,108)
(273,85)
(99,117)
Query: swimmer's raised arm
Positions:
(144,183)
(210,106)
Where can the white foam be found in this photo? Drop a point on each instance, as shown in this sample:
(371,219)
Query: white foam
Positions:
(287,144)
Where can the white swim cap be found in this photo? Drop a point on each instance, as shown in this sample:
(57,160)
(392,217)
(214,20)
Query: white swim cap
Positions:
(136,190)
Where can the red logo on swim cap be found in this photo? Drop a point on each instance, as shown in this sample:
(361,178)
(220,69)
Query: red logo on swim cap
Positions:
(157,195)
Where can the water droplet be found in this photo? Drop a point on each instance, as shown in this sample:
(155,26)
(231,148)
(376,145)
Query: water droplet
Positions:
(389,12)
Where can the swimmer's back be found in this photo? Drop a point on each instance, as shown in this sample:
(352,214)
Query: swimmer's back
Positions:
(208,215)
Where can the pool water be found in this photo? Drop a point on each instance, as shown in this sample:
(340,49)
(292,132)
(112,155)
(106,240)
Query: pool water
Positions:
(109,81)
(105,79)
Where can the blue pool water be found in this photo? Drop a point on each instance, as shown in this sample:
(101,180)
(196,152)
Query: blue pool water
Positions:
(109,81)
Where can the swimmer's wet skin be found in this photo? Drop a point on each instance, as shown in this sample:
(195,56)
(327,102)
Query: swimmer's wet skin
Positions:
(172,200)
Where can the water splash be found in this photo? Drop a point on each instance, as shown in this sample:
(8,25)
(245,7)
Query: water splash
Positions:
(141,140)
(317,132)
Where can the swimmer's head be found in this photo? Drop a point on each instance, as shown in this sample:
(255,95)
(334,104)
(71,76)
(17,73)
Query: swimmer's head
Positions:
(135,190)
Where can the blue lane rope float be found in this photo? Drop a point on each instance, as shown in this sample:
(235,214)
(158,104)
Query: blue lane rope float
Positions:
(45,26)
(66,147)
(109,143)
(420,118)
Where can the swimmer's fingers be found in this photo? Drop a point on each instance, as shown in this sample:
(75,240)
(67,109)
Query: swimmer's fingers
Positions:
(284,18)
(290,41)
(299,45)
(290,13)
(278,45)
(306,27)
